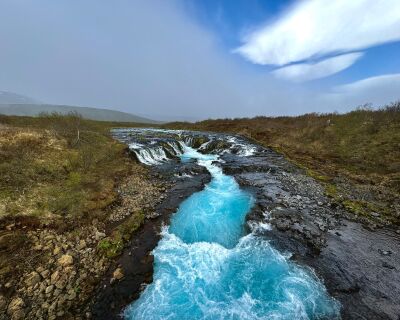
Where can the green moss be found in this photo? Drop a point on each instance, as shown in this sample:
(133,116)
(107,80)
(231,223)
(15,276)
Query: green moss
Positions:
(355,207)
(111,246)
(364,208)
(318,176)
(129,226)
(74,179)
(331,191)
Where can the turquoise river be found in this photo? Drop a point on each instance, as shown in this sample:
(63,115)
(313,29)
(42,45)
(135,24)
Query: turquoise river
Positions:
(207,267)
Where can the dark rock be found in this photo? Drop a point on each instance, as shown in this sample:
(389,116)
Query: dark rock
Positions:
(137,275)
(346,255)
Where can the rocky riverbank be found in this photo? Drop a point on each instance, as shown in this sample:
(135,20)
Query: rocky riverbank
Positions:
(96,267)
(63,261)
(130,273)
(357,262)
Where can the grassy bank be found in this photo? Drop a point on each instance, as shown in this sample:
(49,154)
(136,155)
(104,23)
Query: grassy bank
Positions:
(58,165)
(355,155)
(60,200)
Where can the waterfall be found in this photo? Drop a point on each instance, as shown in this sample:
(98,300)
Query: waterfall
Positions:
(155,153)
(205,144)
(188,140)
(176,147)
(156,146)
(150,156)
(240,148)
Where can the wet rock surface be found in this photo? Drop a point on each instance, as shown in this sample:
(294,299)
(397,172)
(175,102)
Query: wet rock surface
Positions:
(136,261)
(358,266)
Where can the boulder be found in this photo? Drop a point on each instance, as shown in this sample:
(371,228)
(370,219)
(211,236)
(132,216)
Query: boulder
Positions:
(15,308)
(54,277)
(81,245)
(56,250)
(99,235)
(118,274)
(49,289)
(32,279)
(65,260)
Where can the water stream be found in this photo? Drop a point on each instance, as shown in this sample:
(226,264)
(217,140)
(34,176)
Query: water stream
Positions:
(207,267)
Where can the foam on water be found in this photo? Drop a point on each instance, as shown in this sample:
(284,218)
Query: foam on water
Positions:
(154,155)
(150,156)
(205,266)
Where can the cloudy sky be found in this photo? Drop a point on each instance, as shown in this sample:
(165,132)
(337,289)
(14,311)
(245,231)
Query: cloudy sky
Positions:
(196,59)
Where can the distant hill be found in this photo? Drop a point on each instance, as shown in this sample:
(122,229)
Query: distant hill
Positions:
(32,109)
(11,98)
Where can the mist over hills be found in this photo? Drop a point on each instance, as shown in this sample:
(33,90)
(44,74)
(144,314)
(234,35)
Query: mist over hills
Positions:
(19,105)
(15,98)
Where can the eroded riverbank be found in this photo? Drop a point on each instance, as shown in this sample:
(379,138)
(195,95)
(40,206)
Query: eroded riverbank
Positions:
(359,266)
(136,260)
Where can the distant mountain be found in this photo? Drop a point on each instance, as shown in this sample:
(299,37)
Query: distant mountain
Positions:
(31,109)
(11,98)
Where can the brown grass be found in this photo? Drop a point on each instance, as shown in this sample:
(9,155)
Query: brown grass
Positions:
(358,151)
(59,165)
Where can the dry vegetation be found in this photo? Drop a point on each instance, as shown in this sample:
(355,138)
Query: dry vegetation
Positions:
(60,194)
(61,165)
(355,155)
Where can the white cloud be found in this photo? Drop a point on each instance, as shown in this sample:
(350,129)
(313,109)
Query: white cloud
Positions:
(387,80)
(148,57)
(317,28)
(309,71)
(377,90)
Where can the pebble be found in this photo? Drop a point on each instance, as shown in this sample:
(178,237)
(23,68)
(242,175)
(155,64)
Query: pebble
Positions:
(385,252)
(118,274)
(45,273)
(386,265)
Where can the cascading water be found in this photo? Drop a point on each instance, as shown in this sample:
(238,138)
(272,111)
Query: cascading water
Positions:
(206,267)
(150,156)
(157,154)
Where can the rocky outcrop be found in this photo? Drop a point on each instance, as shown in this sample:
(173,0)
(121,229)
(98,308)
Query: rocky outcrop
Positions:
(155,147)
(357,265)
